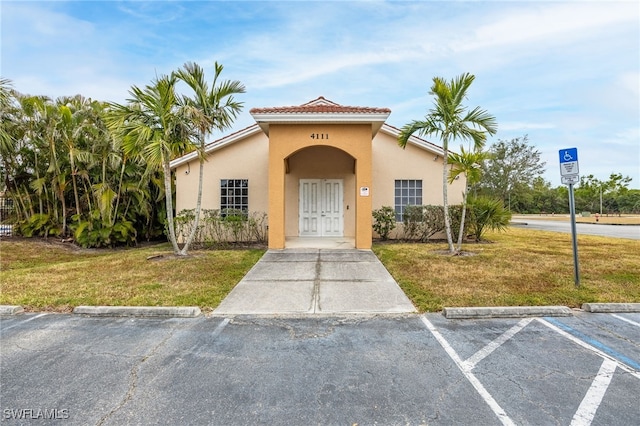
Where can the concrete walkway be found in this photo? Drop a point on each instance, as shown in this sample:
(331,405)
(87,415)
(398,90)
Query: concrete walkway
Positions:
(316,281)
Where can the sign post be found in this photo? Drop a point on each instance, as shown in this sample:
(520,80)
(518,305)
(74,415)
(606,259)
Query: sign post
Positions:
(569,176)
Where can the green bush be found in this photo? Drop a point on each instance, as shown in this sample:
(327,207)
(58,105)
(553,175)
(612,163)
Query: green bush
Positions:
(384,221)
(487,213)
(218,228)
(39,225)
(422,222)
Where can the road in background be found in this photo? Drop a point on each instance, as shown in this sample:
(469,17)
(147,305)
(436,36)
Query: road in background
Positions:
(616,231)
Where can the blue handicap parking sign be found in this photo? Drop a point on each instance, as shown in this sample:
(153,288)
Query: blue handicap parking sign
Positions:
(569,162)
(568,155)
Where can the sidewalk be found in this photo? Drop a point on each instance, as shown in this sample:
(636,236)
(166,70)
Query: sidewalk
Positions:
(316,281)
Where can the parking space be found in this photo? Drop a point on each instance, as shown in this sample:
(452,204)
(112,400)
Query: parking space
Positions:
(572,370)
(406,369)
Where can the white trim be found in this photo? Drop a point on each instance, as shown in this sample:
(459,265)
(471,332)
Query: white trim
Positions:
(414,140)
(375,119)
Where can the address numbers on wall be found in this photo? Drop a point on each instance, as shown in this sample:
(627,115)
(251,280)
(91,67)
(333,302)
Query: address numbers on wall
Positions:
(319,136)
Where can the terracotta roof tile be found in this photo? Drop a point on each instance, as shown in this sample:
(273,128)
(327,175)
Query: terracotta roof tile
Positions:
(320,105)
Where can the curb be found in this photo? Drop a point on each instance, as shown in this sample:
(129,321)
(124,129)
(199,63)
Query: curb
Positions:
(610,307)
(138,311)
(11,309)
(449,313)
(507,312)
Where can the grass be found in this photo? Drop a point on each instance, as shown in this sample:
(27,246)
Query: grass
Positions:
(41,275)
(519,268)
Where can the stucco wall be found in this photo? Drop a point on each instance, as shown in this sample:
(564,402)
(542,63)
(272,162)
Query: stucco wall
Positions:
(245,159)
(391,162)
(288,139)
(248,159)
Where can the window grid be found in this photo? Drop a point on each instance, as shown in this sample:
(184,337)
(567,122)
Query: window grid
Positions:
(234,194)
(408,192)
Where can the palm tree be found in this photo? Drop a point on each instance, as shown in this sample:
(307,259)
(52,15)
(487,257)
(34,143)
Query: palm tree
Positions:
(154,126)
(6,99)
(73,121)
(210,108)
(450,120)
(468,163)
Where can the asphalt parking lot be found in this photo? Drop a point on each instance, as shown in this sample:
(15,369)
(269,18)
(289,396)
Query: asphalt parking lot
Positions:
(387,370)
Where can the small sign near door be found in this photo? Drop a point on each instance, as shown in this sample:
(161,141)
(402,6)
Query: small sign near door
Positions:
(364,191)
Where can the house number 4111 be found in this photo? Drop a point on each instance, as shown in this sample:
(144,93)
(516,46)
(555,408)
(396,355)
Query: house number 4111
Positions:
(319,136)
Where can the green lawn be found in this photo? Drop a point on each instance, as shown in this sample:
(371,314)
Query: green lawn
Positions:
(50,276)
(519,267)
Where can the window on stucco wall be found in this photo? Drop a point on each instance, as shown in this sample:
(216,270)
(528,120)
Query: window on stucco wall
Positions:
(408,192)
(234,195)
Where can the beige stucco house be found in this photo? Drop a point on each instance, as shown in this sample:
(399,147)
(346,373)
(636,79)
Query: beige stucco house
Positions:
(317,170)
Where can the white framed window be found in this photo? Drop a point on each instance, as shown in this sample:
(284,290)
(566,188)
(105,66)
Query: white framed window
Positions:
(408,192)
(234,195)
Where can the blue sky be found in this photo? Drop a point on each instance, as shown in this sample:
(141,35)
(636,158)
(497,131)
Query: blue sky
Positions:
(567,74)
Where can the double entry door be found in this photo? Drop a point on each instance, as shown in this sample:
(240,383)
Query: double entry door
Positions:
(320,204)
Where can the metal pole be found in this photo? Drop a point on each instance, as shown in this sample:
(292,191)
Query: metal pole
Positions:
(572,208)
(600,199)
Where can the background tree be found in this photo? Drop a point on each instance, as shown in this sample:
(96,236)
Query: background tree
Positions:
(542,198)
(450,120)
(594,195)
(6,117)
(511,169)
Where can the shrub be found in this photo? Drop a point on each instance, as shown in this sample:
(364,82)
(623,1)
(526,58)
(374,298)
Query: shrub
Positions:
(39,225)
(218,229)
(487,213)
(384,221)
(422,222)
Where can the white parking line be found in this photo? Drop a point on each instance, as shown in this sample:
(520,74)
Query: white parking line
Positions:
(593,398)
(471,362)
(493,404)
(221,327)
(22,322)
(585,345)
(626,320)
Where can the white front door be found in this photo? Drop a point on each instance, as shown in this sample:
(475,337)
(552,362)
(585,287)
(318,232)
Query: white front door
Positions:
(321,208)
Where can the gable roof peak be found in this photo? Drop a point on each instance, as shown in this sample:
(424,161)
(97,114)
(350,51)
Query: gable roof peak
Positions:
(321,101)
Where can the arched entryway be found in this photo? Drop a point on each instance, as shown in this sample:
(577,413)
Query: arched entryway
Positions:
(320,193)
(326,144)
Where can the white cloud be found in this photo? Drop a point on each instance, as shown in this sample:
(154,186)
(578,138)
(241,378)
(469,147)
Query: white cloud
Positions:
(564,73)
(522,126)
(551,22)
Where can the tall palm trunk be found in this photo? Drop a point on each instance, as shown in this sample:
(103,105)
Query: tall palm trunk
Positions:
(39,193)
(464,213)
(115,210)
(445,199)
(73,181)
(169,205)
(196,223)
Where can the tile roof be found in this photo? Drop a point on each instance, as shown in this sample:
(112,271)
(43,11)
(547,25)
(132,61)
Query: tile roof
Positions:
(320,105)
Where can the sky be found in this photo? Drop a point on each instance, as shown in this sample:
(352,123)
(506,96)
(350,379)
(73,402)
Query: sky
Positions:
(566,74)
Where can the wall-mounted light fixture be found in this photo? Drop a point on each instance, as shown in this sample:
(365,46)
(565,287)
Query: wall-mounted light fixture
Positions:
(188,169)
